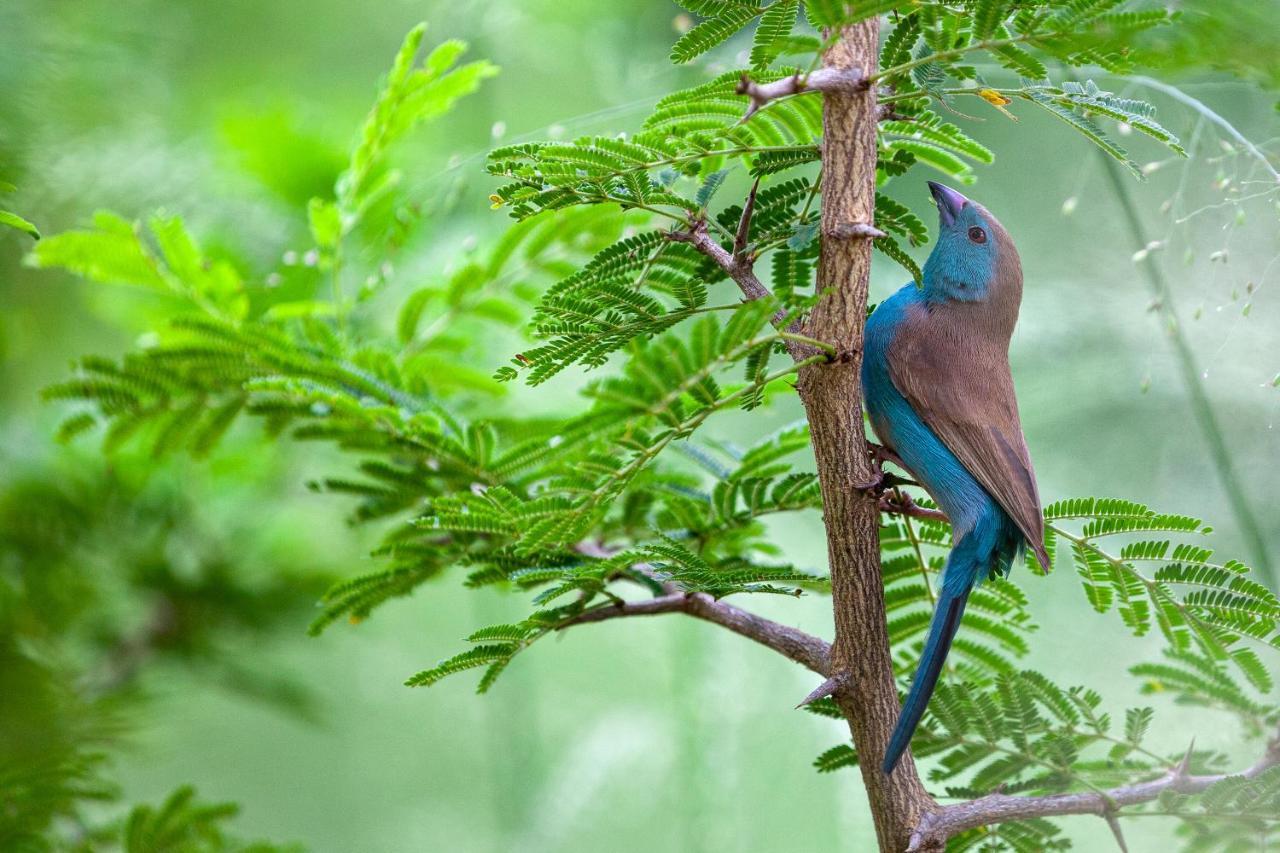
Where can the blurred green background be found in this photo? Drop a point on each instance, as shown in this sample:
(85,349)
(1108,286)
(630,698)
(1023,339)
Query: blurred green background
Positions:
(632,735)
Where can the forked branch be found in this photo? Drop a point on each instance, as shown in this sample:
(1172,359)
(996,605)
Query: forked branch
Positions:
(937,826)
(739,265)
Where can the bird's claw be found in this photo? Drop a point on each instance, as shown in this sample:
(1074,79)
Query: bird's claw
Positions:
(898,502)
(875,486)
(882,454)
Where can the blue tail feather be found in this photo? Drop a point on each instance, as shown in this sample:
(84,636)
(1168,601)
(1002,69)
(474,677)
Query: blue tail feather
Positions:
(990,546)
(942,630)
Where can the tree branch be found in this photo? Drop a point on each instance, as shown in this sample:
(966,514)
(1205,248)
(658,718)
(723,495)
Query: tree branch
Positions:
(739,266)
(937,826)
(801,647)
(823,80)
(739,270)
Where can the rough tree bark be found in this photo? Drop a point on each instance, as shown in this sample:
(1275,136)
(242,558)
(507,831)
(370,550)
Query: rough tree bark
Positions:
(832,396)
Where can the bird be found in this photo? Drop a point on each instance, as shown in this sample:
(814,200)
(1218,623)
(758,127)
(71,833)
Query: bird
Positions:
(940,399)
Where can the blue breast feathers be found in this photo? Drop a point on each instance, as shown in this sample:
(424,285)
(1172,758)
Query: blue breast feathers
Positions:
(957,492)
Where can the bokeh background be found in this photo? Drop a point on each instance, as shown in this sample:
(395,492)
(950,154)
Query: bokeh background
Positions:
(632,735)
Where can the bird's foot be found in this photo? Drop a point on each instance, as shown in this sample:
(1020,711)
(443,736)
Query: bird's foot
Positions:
(881,454)
(875,486)
(899,502)
(881,482)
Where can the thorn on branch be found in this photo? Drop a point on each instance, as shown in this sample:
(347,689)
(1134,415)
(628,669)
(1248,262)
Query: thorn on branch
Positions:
(1113,821)
(1183,771)
(850,230)
(825,689)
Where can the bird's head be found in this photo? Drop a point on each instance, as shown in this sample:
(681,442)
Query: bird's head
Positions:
(974,259)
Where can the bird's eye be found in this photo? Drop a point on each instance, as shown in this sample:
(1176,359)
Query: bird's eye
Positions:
(977,235)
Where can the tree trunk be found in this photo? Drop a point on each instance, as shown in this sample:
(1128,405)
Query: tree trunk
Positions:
(832,395)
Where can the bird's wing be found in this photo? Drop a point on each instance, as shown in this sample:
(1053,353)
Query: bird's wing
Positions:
(958,381)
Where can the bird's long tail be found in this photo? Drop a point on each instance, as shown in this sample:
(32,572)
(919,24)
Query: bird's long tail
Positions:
(970,561)
(946,619)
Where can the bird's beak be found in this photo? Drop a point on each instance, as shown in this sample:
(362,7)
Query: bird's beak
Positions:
(949,202)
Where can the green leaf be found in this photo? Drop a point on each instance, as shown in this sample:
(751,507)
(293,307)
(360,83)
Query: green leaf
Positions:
(1089,130)
(835,758)
(987,15)
(13,220)
(410,95)
(470,659)
(775,26)
(712,32)
(112,253)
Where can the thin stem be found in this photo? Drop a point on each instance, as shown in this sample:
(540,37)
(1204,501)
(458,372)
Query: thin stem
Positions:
(924,567)
(808,341)
(958,90)
(956,53)
(1204,110)
(1201,407)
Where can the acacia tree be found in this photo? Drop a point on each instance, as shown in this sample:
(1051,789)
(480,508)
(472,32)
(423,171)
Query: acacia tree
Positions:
(630,268)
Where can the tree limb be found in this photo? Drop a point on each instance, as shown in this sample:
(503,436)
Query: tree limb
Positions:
(937,826)
(822,80)
(801,647)
(738,268)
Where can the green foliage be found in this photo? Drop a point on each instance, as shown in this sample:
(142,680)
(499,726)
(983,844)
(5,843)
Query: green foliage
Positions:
(1235,814)
(181,824)
(727,18)
(411,93)
(1020,836)
(1199,605)
(13,220)
(775,27)
(73,653)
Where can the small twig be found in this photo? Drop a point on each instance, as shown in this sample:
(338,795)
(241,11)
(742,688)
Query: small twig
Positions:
(822,80)
(696,235)
(743,234)
(801,647)
(937,826)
